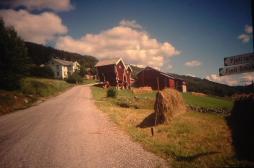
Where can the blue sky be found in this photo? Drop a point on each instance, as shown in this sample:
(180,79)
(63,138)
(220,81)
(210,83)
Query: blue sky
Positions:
(201,32)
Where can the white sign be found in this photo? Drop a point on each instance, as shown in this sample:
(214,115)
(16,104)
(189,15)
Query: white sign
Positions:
(236,69)
(239,59)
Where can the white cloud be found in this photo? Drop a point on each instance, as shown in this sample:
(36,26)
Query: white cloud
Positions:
(39,28)
(247,78)
(247,35)
(228,80)
(248,29)
(245,38)
(232,80)
(57,5)
(191,75)
(193,63)
(127,40)
(130,23)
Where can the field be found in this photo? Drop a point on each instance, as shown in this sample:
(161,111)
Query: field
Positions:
(191,140)
(208,101)
(31,90)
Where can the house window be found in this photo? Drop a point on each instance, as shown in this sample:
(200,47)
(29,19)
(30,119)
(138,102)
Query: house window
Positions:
(57,66)
(57,73)
(120,67)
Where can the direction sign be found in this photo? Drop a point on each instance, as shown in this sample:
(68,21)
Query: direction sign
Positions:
(239,59)
(236,69)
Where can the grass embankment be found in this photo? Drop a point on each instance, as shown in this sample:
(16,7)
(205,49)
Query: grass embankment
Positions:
(191,140)
(31,90)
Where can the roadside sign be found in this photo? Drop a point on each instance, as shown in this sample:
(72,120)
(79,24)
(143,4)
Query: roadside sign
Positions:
(239,59)
(242,68)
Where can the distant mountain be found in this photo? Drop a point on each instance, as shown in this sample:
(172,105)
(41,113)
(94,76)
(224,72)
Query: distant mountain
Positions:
(195,84)
(135,70)
(40,54)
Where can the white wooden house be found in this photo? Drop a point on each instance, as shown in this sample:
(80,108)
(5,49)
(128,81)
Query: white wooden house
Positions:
(62,68)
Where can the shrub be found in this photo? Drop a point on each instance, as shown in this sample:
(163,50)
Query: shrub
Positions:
(74,78)
(112,92)
(241,122)
(45,71)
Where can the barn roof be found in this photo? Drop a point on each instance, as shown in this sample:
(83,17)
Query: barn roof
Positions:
(161,73)
(113,61)
(63,62)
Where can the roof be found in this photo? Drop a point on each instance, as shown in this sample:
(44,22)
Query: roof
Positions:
(63,62)
(113,61)
(161,73)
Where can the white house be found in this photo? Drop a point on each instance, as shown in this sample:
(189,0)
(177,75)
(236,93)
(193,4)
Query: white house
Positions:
(63,68)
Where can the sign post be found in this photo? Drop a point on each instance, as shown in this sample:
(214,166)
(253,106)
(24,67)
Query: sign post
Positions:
(238,64)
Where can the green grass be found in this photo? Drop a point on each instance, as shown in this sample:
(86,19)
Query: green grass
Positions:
(31,90)
(191,140)
(43,87)
(89,81)
(207,101)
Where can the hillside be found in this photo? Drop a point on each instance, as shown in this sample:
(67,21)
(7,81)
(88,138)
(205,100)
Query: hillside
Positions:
(40,54)
(195,84)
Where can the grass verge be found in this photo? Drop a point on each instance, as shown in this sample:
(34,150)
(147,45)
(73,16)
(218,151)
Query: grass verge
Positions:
(31,90)
(190,140)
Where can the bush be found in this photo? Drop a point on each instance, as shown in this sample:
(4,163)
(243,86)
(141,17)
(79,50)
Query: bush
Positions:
(112,92)
(45,71)
(74,78)
(241,122)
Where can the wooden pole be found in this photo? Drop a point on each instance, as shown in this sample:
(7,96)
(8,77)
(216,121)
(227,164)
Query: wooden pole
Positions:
(155,121)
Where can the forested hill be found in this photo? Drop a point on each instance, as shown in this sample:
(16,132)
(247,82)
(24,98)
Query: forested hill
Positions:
(195,84)
(40,54)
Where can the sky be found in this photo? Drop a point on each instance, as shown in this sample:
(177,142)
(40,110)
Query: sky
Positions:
(187,37)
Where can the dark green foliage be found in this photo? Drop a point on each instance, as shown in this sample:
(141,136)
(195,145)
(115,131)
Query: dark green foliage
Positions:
(44,71)
(112,92)
(83,70)
(40,54)
(241,122)
(74,78)
(135,71)
(13,58)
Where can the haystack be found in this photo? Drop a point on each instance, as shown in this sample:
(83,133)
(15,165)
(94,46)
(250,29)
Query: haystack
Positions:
(169,103)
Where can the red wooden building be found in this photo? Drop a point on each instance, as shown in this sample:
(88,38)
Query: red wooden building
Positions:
(158,80)
(114,72)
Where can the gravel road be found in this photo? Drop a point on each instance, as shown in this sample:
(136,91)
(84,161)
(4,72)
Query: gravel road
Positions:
(68,131)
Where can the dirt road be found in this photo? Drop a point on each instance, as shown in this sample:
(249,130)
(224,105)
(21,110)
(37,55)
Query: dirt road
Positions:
(68,131)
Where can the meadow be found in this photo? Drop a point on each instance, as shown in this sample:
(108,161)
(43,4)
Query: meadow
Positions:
(192,139)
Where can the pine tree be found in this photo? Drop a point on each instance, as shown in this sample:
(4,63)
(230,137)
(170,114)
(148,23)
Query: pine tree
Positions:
(14,61)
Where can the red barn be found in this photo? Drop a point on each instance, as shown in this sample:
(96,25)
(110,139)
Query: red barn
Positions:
(114,72)
(158,80)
